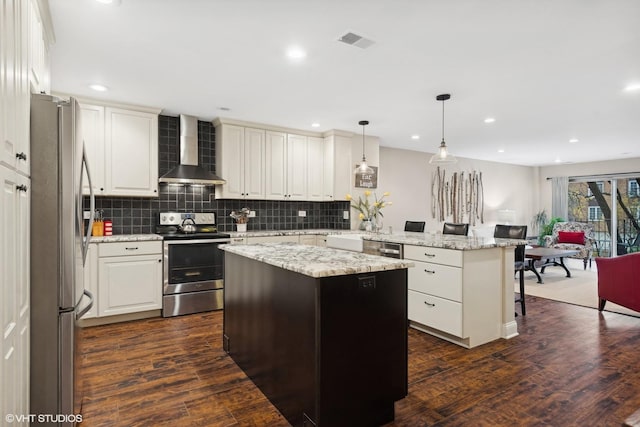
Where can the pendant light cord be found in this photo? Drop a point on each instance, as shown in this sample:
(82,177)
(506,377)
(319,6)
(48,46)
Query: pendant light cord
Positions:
(363,158)
(442,120)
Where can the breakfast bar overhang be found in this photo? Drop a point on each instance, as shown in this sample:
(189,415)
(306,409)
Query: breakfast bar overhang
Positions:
(321,332)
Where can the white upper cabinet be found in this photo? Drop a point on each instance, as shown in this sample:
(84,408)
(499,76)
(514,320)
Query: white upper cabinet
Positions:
(38,51)
(131,149)
(297,182)
(315,169)
(14,85)
(121,143)
(274,163)
(240,161)
(93,136)
(338,168)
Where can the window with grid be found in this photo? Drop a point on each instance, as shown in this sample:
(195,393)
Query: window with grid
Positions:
(600,185)
(633,188)
(595,213)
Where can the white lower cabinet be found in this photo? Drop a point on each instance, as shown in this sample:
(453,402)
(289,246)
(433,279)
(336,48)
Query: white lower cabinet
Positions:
(455,295)
(124,277)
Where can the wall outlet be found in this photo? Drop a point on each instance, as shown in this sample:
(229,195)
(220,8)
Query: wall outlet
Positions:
(252,214)
(302,213)
(345,214)
(86,214)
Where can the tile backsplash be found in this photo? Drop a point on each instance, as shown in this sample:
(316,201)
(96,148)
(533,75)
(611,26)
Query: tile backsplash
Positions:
(134,215)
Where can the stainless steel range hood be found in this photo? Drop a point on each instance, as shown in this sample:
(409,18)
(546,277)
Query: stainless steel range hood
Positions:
(188,171)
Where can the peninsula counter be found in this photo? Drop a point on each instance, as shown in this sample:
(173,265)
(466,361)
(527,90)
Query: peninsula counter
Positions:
(321,332)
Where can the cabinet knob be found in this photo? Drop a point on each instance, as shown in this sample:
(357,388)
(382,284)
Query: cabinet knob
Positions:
(101,189)
(21,187)
(159,260)
(429,304)
(21,156)
(429,255)
(132,249)
(429,271)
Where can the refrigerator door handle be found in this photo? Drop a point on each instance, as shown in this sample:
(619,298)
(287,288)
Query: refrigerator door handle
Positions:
(92,204)
(88,307)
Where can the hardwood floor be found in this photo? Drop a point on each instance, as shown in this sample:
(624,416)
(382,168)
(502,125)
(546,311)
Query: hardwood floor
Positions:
(570,365)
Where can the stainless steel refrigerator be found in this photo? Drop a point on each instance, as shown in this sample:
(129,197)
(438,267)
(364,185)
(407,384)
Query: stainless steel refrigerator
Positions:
(59,245)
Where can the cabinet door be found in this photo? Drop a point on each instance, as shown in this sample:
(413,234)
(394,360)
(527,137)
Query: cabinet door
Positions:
(129,284)
(9,96)
(230,161)
(9,309)
(131,141)
(297,182)
(92,120)
(275,165)
(315,168)
(328,166)
(343,176)
(253,164)
(91,279)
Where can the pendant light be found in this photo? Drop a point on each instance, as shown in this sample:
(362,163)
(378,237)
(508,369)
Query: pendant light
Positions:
(363,168)
(442,156)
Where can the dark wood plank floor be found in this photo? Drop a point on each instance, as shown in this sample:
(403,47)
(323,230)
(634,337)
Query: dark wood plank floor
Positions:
(570,366)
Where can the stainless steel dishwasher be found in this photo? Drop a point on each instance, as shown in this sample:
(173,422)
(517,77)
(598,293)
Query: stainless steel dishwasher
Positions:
(387,249)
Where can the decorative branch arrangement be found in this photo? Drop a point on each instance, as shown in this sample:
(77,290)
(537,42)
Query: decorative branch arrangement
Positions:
(460,197)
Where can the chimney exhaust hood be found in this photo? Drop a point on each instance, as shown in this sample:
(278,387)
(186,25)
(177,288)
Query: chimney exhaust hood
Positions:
(188,171)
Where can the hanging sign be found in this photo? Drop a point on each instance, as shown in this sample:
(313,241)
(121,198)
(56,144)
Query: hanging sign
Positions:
(367,180)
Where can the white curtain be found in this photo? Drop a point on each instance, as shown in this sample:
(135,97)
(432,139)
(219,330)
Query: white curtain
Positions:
(560,197)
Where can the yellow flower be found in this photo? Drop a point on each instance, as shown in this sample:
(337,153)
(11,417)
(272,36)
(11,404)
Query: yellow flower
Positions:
(361,216)
(376,204)
(367,193)
(386,194)
(348,197)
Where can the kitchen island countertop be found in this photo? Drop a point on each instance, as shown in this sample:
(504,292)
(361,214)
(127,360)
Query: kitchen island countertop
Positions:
(265,233)
(446,241)
(315,261)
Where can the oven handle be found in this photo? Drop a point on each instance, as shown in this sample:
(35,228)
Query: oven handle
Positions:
(191,241)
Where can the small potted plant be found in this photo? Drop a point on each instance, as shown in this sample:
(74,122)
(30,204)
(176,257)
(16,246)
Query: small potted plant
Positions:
(242,218)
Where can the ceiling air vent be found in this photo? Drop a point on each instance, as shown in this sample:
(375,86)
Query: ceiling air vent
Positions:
(354,39)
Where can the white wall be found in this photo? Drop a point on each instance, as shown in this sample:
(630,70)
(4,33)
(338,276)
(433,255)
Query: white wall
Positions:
(407,176)
(581,169)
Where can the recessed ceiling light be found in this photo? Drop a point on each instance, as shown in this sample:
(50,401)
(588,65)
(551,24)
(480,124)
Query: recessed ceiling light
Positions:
(557,160)
(315,125)
(415,136)
(573,140)
(98,87)
(632,87)
(489,120)
(296,52)
(501,150)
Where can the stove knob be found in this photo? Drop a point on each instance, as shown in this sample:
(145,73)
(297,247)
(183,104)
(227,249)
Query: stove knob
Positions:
(164,218)
(171,218)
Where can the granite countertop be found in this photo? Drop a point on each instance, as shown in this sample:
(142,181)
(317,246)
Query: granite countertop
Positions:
(322,231)
(125,238)
(446,241)
(316,261)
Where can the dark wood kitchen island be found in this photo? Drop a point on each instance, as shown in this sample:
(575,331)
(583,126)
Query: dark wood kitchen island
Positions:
(322,332)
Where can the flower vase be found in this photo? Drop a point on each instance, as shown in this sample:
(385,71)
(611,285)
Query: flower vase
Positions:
(241,228)
(367,225)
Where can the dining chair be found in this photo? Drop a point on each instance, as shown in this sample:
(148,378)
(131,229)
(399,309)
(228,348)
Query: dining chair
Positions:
(458,229)
(503,231)
(417,226)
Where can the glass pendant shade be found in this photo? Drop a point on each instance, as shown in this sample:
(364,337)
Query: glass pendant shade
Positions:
(443,156)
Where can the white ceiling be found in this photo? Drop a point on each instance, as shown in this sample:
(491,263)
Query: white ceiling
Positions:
(546,70)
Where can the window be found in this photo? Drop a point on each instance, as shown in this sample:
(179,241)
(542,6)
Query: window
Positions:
(600,185)
(595,213)
(633,188)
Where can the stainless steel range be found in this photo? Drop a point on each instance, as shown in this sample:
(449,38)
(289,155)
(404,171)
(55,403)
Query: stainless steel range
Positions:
(193,276)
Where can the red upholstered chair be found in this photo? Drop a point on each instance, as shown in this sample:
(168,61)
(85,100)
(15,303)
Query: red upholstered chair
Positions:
(619,281)
(572,236)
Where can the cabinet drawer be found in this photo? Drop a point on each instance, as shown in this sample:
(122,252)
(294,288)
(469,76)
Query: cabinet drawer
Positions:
(129,248)
(435,255)
(437,313)
(439,280)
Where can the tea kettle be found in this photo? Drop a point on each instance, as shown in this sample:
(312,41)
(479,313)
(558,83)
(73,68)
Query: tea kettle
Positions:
(188,228)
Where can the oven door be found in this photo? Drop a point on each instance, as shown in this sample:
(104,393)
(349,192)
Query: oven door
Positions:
(193,265)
